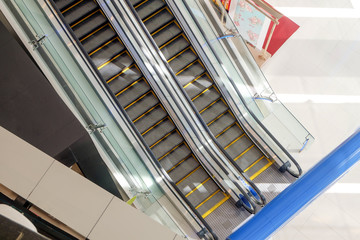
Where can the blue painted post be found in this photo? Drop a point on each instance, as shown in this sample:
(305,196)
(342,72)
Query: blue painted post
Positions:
(301,193)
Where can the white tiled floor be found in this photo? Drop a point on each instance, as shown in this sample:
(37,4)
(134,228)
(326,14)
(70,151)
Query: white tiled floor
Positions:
(316,74)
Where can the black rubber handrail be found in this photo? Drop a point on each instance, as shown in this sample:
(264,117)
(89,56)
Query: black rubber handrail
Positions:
(84,54)
(222,150)
(262,198)
(249,209)
(243,100)
(191,126)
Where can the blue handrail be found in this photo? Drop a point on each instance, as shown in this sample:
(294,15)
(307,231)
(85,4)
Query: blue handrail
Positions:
(301,193)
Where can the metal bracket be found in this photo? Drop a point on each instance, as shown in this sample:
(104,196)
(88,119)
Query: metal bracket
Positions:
(94,127)
(305,143)
(202,233)
(284,167)
(38,41)
(271,98)
(139,193)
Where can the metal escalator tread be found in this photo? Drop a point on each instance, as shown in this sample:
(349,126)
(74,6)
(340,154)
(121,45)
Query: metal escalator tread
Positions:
(133,92)
(198,84)
(65,4)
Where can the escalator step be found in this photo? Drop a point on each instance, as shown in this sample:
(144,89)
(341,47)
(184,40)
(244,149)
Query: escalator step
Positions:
(257,167)
(217,128)
(182,60)
(146,103)
(164,146)
(133,92)
(226,137)
(187,74)
(209,113)
(153,116)
(178,173)
(115,65)
(159,131)
(193,180)
(198,85)
(125,79)
(238,145)
(76,12)
(175,156)
(205,98)
(147,8)
(249,158)
(88,23)
(202,193)
(166,32)
(64,4)
(97,38)
(107,51)
(211,202)
(154,22)
(174,46)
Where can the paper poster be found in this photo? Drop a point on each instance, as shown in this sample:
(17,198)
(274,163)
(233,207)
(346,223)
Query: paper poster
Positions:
(251,23)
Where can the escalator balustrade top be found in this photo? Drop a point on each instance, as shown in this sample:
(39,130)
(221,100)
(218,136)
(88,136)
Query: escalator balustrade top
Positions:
(199,86)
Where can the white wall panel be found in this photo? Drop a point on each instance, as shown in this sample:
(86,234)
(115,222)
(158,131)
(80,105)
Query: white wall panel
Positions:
(70,198)
(121,221)
(21,165)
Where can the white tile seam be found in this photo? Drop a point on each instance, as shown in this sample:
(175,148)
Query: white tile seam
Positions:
(40,180)
(107,206)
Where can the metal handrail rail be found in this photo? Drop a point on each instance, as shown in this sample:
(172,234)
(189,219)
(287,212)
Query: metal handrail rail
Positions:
(243,100)
(257,190)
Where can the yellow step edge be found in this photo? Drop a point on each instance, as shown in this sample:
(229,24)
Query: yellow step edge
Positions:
(112,59)
(207,199)
(102,46)
(218,117)
(183,160)
(138,99)
(153,126)
(169,23)
(261,170)
(186,67)
(195,79)
(204,91)
(234,141)
(207,213)
(62,12)
(188,175)
(142,115)
(132,84)
(161,139)
(197,187)
(120,73)
(83,19)
(93,32)
(205,108)
(254,163)
(171,40)
(246,150)
(187,48)
(141,4)
(239,126)
(158,11)
(223,131)
(171,150)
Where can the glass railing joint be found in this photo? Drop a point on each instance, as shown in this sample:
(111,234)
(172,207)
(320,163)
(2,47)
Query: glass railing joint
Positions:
(38,41)
(305,143)
(96,127)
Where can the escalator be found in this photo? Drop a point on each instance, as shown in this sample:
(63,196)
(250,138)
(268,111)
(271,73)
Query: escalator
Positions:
(133,92)
(199,86)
